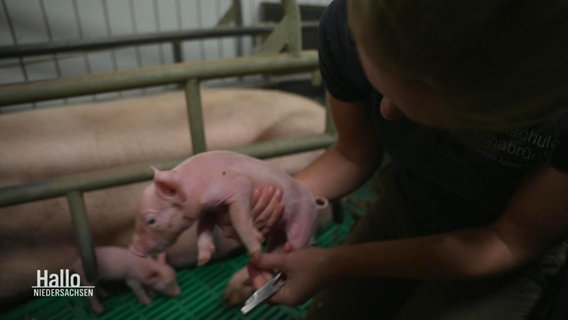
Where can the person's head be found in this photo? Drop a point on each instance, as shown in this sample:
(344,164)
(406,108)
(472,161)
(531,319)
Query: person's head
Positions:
(485,64)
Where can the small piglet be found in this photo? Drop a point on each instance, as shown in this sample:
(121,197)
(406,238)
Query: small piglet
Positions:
(116,263)
(213,183)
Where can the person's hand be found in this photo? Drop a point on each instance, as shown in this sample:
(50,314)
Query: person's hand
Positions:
(267,209)
(306,272)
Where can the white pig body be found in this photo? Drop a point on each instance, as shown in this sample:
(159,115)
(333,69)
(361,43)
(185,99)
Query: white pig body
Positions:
(58,141)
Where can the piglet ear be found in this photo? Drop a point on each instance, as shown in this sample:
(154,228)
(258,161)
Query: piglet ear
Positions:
(167,186)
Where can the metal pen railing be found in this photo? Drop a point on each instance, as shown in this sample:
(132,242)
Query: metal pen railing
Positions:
(189,75)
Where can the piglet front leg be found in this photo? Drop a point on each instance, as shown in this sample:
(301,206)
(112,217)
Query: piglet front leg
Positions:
(94,301)
(139,291)
(252,239)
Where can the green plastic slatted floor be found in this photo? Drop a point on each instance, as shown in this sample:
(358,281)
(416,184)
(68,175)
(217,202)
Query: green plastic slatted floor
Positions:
(202,290)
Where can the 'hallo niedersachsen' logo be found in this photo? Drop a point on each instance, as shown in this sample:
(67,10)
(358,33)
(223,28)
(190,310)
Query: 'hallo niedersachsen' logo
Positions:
(62,284)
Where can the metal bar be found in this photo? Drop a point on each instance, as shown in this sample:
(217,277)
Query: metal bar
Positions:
(83,234)
(199,19)
(156,12)
(10,24)
(155,75)
(132,40)
(122,175)
(195,116)
(134,26)
(108,28)
(292,14)
(238,16)
(88,181)
(177,50)
(227,18)
(287,34)
(79,27)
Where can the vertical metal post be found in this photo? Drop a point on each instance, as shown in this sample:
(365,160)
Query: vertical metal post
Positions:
(292,12)
(287,34)
(177,50)
(195,114)
(83,233)
(238,17)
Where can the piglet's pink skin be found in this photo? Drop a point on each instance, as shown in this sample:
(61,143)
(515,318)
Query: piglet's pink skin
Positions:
(217,182)
(115,263)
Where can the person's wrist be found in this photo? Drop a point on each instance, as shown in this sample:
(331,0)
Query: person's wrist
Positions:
(326,264)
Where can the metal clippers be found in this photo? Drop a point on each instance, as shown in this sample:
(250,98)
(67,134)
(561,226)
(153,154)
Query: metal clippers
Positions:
(263,293)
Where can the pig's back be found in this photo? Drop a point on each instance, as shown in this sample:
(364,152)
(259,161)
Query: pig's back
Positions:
(228,163)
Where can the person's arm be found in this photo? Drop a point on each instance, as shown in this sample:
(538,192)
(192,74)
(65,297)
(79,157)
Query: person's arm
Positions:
(352,160)
(339,170)
(535,219)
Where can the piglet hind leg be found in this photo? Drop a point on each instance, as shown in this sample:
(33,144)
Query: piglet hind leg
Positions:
(205,241)
(96,305)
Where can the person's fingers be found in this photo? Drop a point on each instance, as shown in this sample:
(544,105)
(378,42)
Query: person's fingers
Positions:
(271,214)
(267,226)
(255,195)
(260,198)
(268,261)
(271,206)
(287,247)
(257,276)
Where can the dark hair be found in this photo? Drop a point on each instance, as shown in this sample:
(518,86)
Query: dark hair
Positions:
(498,63)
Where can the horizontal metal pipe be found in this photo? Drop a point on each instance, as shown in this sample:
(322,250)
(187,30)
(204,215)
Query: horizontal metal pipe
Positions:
(133,40)
(140,172)
(155,75)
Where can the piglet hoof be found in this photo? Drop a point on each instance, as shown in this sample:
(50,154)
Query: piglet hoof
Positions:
(203,260)
(237,296)
(145,301)
(99,310)
(97,307)
(238,289)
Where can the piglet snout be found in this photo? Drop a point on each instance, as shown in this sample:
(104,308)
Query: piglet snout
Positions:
(322,204)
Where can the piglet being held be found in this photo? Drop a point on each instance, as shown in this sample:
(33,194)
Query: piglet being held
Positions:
(213,183)
(115,263)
